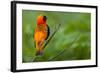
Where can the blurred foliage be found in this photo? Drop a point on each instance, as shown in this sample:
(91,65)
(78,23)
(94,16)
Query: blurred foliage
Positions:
(73,25)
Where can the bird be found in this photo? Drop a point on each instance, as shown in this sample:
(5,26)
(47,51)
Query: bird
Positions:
(41,33)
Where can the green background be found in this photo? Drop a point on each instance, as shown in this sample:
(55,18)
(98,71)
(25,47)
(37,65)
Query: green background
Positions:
(72,40)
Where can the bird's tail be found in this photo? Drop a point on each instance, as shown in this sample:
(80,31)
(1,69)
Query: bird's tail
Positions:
(39,53)
(39,50)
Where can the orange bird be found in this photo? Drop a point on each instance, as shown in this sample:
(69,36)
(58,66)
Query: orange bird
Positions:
(41,33)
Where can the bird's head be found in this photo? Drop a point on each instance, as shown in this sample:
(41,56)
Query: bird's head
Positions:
(41,20)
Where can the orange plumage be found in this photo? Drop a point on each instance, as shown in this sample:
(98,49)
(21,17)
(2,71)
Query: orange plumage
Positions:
(41,33)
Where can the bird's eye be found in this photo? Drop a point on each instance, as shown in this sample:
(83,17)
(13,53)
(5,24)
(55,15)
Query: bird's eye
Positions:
(44,18)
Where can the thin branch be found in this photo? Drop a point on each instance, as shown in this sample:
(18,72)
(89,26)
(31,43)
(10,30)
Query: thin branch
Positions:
(60,53)
(34,58)
(56,29)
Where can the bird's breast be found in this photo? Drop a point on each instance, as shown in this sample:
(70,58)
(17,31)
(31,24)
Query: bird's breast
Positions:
(40,35)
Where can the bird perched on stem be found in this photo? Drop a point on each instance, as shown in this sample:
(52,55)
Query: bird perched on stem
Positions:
(41,33)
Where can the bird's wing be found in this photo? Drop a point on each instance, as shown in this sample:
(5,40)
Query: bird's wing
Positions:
(48,32)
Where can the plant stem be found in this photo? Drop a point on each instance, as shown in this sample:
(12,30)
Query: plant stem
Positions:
(60,53)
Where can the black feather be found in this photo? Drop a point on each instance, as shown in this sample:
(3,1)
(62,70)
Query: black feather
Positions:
(48,32)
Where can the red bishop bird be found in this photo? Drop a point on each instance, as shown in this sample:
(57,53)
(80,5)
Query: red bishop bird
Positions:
(41,33)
